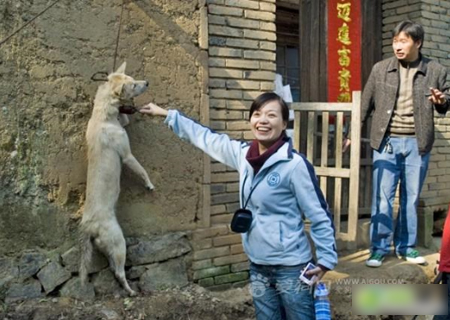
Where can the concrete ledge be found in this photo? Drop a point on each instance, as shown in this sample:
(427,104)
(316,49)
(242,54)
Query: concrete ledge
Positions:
(425,219)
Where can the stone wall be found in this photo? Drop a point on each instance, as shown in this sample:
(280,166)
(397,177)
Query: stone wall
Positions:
(241,66)
(153,263)
(46,99)
(434,15)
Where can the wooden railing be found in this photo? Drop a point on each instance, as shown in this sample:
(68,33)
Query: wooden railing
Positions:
(312,125)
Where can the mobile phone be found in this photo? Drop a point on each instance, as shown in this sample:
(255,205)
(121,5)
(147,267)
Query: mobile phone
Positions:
(308,279)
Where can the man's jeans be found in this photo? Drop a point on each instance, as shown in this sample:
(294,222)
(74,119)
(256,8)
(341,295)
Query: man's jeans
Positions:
(399,162)
(279,294)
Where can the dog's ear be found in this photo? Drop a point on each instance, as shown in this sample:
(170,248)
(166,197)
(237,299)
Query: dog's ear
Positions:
(117,90)
(122,68)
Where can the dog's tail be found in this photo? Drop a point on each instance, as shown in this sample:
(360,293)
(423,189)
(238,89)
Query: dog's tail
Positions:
(86,249)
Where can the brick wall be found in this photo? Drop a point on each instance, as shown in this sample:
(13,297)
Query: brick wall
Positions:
(434,15)
(241,48)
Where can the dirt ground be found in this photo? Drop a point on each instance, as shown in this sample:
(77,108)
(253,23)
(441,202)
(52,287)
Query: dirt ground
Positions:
(190,303)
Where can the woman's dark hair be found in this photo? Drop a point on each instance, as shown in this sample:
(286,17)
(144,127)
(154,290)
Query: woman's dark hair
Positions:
(266,97)
(412,29)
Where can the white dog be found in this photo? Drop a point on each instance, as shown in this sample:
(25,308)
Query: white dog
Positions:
(108,148)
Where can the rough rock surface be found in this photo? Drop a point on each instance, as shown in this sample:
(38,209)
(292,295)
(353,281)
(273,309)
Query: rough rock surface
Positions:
(52,275)
(159,248)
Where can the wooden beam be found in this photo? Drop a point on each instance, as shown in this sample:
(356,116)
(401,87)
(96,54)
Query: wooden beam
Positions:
(354,165)
(333,172)
(322,106)
(297,119)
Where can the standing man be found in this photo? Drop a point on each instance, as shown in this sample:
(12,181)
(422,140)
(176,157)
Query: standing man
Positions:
(402,92)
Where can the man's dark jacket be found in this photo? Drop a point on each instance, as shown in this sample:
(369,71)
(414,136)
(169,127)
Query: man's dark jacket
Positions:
(380,95)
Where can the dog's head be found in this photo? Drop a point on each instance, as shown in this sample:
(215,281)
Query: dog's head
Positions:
(124,87)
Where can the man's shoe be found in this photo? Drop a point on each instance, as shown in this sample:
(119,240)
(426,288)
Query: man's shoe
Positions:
(413,256)
(375,260)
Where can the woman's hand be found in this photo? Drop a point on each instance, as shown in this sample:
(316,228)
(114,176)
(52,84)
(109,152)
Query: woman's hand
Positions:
(153,110)
(318,272)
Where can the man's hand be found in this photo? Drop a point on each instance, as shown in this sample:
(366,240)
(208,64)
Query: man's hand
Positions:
(437,97)
(346,144)
(153,110)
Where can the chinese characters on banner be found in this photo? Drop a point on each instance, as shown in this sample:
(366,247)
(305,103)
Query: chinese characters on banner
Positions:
(344,49)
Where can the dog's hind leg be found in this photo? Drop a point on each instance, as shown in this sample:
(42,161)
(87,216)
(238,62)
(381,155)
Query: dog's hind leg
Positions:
(111,242)
(117,258)
(86,249)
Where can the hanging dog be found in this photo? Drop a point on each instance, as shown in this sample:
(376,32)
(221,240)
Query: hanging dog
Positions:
(108,149)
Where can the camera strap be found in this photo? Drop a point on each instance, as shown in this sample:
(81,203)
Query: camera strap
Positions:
(251,190)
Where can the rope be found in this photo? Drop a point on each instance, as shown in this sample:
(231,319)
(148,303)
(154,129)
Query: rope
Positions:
(118,36)
(26,24)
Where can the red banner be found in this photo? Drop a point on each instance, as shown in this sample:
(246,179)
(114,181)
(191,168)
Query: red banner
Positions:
(344,49)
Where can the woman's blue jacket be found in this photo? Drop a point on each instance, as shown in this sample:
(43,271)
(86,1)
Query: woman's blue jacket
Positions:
(285,191)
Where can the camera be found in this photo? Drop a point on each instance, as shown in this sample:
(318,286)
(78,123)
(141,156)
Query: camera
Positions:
(241,221)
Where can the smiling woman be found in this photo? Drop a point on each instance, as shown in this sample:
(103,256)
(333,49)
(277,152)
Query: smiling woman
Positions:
(269,116)
(277,187)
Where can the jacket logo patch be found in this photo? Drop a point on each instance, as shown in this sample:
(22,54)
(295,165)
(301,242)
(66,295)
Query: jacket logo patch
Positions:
(274,179)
